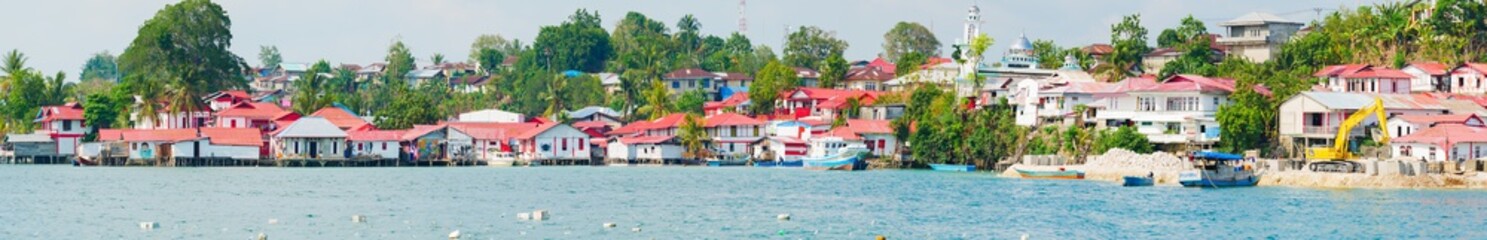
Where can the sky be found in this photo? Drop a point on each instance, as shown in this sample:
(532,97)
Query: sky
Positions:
(60,35)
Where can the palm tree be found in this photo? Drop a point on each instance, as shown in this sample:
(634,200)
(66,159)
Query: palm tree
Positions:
(12,63)
(554,96)
(180,101)
(692,136)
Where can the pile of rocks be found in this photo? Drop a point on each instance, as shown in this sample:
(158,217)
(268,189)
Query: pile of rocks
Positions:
(1121,158)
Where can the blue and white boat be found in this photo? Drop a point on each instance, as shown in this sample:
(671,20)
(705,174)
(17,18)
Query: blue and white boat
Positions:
(1137,181)
(1218,170)
(834,154)
(778,163)
(952,167)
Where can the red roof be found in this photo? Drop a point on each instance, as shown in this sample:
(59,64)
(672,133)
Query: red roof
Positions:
(234,136)
(590,124)
(1099,49)
(493,131)
(341,118)
(732,101)
(1481,68)
(844,133)
(690,73)
(375,135)
(1377,72)
(869,73)
(160,135)
(530,133)
(70,111)
(645,139)
(861,126)
(254,111)
(883,64)
(237,94)
(1194,83)
(806,73)
(110,135)
(1339,70)
(1434,119)
(1432,68)
(934,61)
(836,98)
(730,119)
(1446,135)
(669,121)
(420,130)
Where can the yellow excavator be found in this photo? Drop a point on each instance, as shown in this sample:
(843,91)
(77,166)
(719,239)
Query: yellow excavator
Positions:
(1336,158)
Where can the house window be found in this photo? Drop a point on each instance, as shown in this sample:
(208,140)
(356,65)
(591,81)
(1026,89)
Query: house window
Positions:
(1404,151)
(565,144)
(232,123)
(581,143)
(296,147)
(706,83)
(676,84)
(66,125)
(384,145)
(1432,152)
(1146,104)
(733,130)
(361,146)
(691,84)
(1315,119)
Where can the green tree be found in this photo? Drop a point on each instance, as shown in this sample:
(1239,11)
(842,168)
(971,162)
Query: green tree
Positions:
(1168,38)
(693,137)
(101,110)
(808,45)
(1049,55)
(1128,40)
(490,60)
(908,63)
(691,102)
(833,69)
(102,66)
(269,56)
(577,44)
(494,42)
(556,96)
(657,99)
(185,44)
(310,90)
(400,61)
(437,59)
(909,37)
(27,88)
(768,84)
(1124,138)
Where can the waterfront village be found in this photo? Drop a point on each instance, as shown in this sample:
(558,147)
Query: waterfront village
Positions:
(1411,115)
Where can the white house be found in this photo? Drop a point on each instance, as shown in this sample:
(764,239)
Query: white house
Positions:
(1257,35)
(1312,118)
(553,141)
(220,143)
(733,134)
(492,115)
(876,134)
(1404,125)
(374,144)
(597,113)
(310,138)
(64,124)
(654,148)
(1179,110)
(1469,78)
(1428,76)
(1364,78)
(1446,142)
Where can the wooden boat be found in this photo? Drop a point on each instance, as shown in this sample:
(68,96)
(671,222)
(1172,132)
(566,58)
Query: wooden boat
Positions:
(83,161)
(1218,170)
(1051,174)
(723,161)
(952,167)
(838,155)
(779,163)
(1137,181)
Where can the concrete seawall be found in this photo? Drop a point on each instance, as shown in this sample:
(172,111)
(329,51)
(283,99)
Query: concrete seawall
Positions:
(1288,178)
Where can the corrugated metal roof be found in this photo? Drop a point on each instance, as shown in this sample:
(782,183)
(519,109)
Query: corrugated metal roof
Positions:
(311,127)
(1254,18)
(28,138)
(1344,100)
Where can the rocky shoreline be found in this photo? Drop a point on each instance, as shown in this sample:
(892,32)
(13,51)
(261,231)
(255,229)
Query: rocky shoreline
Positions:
(1165,167)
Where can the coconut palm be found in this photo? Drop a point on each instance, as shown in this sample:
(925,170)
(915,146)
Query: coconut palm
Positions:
(556,91)
(180,101)
(692,136)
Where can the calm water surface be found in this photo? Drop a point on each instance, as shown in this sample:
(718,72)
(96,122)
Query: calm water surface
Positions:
(63,202)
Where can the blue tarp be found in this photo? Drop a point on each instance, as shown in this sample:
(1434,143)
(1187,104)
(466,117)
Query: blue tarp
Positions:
(1217,156)
(572,73)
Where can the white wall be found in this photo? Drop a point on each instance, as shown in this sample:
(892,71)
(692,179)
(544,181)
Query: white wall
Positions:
(890,144)
(1467,81)
(328,148)
(654,151)
(380,149)
(618,150)
(576,142)
(1419,151)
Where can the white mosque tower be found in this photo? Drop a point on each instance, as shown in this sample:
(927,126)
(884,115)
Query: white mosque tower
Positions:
(972,29)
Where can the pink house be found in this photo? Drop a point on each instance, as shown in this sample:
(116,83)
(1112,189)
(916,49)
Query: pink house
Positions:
(1364,78)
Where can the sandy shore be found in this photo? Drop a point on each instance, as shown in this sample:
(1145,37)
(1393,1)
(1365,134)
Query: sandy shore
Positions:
(1289,179)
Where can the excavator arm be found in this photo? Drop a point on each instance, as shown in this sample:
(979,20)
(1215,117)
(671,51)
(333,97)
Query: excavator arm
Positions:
(1339,149)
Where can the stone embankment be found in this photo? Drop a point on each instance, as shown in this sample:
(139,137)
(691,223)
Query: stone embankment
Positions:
(1117,163)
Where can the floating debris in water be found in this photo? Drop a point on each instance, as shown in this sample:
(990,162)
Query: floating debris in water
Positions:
(454,235)
(635,229)
(358,219)
(262,236)
(609,225)
(273,221)
(524,216)
(783,217)
(539,215)
(148,225)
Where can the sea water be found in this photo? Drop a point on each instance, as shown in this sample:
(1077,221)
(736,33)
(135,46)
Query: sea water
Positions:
(63,202)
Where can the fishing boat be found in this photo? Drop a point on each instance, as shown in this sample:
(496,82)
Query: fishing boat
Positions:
(1061,173)
(779,163)
(723,161)
(1137,181)
(833,154)
(952,167)
(501,159)
(1218,170)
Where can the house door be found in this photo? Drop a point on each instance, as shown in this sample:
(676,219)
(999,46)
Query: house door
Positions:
(314,149)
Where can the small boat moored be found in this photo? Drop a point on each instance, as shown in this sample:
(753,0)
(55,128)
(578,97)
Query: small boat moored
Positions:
(952,167)
(1061,173)
(1137,181)
(834,154)
(1218,170)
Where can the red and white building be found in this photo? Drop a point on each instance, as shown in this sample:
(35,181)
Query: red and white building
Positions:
(823,103)
(64,124)
(1428,76)
(1404,125)
(342,119)
(1468,78)
(1445,142)
(224,99)
(263,116)
(733,134)
(877,135)
(1364,78)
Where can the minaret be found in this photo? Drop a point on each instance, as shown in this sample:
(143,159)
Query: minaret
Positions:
(973,25)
